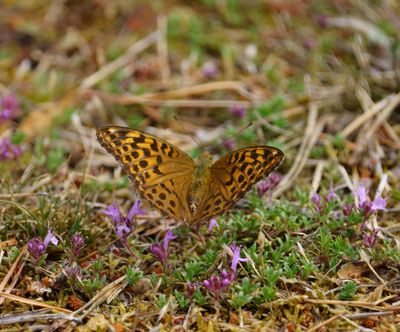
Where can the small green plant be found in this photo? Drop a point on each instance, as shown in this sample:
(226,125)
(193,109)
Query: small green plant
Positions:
(55,158)
(387,252)
(266,294)
(307,268)
(133,275)
(348,291)
(93,284)
(337,141)
(13,254)
(161,301)
(243,294)
(18,137)
(192,269)
(98,265)
(239,299)
(271,276)
(199,298)
(182,300)
(272,110)
(209,257)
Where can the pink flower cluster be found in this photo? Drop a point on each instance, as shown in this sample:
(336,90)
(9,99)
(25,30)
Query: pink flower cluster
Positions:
(216,284)
(161,250)
(9,108)
(37,247)
(123,225)
(8,150)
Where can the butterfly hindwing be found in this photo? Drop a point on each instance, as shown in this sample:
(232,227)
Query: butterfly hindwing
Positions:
(233,175)
(213,204)
(160,171)
(167,197)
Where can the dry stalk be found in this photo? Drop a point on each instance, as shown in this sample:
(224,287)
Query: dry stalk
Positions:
(162,49)
(11,272)
(317,178)
(17,298)
(312,132)
(122,61)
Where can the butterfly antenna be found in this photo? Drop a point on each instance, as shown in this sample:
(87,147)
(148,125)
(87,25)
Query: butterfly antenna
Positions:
(184,130)
(224,142)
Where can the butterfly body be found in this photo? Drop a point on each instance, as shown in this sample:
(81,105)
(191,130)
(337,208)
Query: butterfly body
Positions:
(199,183)
(175,185)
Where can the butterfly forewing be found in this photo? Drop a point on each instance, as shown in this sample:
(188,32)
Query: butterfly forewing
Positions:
(234,174)
(160,171)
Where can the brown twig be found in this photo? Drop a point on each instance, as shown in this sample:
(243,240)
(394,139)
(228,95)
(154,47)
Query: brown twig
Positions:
(17,298)
(122,61)
(312,132)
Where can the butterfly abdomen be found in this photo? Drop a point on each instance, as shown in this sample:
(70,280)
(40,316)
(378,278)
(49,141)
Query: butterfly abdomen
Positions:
(199,183)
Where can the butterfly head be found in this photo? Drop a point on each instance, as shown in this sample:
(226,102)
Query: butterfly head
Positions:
(205,158)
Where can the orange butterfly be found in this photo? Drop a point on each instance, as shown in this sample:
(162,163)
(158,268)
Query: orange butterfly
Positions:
(170,181)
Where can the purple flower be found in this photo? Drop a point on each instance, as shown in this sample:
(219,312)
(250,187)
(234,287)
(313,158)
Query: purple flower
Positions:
(319,204)
(169,235)
(216,284)
(378,203)
(331,196)
(9,150)
(309,43)
(229,144)
(238,111)
(361,194)
(365,204)
(236,257)
(161,250)
(210,70)
(77,243)
(73,272)
(50,237)
(369,240)
(269,184)
(158,252)
(191,287)
(347,208)
(135,210)
(213,223)
(122,225)
(9,107)
(316,200)
(322,21)
(37,247)
(113,212)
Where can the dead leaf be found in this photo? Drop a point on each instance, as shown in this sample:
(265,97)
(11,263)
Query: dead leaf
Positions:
(37,288)
(41,119)
(352,271)
(375,295)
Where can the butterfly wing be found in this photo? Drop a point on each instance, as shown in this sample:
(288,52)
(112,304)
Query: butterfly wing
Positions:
(233,175)
(161,172)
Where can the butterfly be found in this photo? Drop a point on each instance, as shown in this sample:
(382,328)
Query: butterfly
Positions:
(175,185)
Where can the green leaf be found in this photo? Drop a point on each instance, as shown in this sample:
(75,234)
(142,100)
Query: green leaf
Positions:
(133,275)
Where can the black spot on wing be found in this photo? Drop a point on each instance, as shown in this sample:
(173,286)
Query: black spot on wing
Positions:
(143,163)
